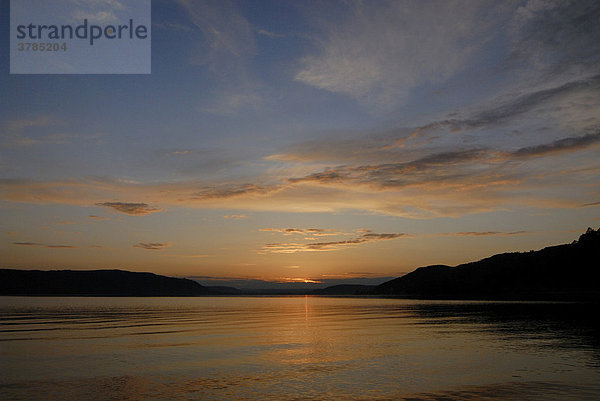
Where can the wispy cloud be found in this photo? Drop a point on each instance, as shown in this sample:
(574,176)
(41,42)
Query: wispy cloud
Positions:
(97,17)
(37,244)
(270,34)
(556,37)
(195,256)
(489,233)
(455,167)
(153,246)
(315,232)
(99,218)
(37,130)
(21,124)
(503,110)
(226,31)
(540,114)
(134,209)
(339,146)
(329,246)
(187,162)
(226,44)
(537,104)
(171,26)
(561,145)
(180,152)
(235,216)
(232,100)
(382,50)
(231,191)
(361,274)
(433,167)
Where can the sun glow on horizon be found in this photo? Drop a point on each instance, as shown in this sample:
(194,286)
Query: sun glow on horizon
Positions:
(298,280)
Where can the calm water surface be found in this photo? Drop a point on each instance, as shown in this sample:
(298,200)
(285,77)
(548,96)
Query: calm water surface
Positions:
(295,348)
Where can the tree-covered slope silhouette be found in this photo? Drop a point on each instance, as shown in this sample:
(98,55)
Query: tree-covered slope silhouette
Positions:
(569,271)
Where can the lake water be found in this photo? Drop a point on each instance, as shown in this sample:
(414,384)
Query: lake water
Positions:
(295,348)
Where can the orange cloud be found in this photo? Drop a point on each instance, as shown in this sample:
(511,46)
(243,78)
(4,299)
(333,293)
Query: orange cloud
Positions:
(235,216)
(315,232)
(329,246)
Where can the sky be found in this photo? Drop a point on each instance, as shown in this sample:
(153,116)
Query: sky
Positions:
(309,141)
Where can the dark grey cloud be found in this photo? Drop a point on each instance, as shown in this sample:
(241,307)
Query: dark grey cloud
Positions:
(28,243)
(231,191)
(435,167)
(490,233)
(134,209)
(443,159)
(328,176)
(153,246)
(443,167)
(93,216)
(525,103)
(376,237)
(502,111)
(44,245)
(560,145)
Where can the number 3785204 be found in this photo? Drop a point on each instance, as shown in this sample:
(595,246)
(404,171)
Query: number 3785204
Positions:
(41,47)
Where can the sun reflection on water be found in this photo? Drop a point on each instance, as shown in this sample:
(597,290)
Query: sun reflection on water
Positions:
(292,348)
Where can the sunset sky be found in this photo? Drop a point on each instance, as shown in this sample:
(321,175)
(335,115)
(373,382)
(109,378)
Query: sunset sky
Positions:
(309,140)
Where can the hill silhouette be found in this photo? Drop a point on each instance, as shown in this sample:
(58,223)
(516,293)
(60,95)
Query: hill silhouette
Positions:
(95,283)
(344,289)
(569,272)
